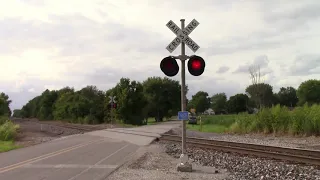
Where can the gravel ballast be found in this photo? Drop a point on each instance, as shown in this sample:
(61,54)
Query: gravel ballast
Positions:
(244,167)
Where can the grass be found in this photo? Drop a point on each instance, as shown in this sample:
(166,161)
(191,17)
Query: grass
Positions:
(213,128)
(214,123)
(7,146)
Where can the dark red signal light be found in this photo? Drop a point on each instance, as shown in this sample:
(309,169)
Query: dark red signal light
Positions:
(113,105)
(196,65)
(169,66)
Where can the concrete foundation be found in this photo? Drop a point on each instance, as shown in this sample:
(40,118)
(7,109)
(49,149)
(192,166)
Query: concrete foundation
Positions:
(187,167)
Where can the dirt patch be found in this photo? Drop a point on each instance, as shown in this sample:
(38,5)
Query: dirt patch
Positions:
(33,131)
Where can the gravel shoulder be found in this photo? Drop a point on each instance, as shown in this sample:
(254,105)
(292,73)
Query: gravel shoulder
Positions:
(153,163)
(311,142)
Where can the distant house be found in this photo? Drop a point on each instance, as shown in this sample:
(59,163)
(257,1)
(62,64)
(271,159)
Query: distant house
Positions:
(209,112)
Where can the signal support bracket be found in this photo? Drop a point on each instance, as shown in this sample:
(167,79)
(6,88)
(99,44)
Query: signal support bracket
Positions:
(181,57)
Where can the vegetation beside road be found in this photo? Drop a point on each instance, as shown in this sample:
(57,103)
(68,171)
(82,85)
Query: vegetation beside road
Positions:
(8,132)
(304,120)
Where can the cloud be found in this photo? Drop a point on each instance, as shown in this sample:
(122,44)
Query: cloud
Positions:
(223,69)
(305,65)
(54,43)
(260,62)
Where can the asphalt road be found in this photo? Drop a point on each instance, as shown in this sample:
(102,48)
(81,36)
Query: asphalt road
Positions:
(90,156)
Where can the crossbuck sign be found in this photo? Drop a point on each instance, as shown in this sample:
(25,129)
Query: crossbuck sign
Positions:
(182,36)
(112,99)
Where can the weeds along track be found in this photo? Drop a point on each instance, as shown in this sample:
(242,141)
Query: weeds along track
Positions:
(311,157)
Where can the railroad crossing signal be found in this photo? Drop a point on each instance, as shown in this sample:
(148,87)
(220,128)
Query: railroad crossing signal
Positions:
(196,64)
(113,102)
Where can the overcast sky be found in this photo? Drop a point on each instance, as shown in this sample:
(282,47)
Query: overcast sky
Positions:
(54,43)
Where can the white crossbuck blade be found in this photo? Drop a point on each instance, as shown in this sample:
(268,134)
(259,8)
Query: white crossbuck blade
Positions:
(182,36)
(112,99)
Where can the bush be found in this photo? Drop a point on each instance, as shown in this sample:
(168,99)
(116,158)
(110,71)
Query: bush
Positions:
(3,119)
(8,131)
(279,120)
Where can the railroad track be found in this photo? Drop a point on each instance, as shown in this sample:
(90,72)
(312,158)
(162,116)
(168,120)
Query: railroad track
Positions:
(298,155)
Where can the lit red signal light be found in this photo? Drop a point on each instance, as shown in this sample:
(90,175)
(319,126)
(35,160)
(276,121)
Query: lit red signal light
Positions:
(196,65)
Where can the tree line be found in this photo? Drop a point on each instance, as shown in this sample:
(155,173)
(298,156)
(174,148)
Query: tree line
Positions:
(155,97)
(136,101)
(258,95)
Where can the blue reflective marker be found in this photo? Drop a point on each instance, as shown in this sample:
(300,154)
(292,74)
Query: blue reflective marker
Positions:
(183,115)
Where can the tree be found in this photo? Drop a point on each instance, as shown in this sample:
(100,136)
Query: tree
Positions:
(131,101)
(309,92)
(96,99)
(256,90)
(18,113)
(261,94)
(219,103)
(5,105)
(288,96)
(200,101)
(163,96)
(238,103)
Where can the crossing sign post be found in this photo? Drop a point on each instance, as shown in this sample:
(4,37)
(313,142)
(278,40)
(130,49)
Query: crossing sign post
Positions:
(182,37)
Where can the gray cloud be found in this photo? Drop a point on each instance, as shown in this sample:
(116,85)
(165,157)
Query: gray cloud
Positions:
(291,20)
(76,34)
(213,86)
(223,69)
(260,61)
(305,65)
(282,28)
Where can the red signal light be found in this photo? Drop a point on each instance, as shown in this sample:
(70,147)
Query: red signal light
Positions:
(196,65)
(169,66)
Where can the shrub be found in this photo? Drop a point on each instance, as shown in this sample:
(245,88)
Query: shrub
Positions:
(303,120)
(8,131)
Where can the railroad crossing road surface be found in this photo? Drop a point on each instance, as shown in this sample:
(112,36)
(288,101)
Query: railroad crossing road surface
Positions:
(89,156)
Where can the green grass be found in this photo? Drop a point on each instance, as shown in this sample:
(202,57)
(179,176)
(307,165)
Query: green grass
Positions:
(7,146)
(213,128)
(224,120)
(214,123)
(151,121)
